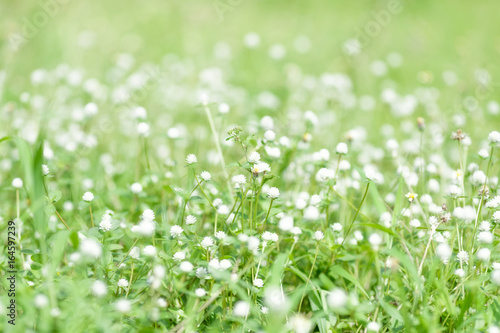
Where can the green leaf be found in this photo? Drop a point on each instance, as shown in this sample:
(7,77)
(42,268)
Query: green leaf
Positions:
(379,227)
(339,271)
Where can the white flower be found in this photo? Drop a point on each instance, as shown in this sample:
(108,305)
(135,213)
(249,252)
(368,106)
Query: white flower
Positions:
(186,266)
(148,215)
(341,148)
(315,199)
(483,153)
(90,247)
(239,179)
(254,157)
(99,288)
(373,326)
(261,167)
(220,235)
(460,272)
(324,174)
(45,170)
(337,227)
(318,235)
(496,216)
(454,191)
(483,254)
(273,192)
(190,219)
(143,129)
(415,223)
(122,283)
(270,236)
(206,176)
(145,228)
(485,237)
(478,178)
(269,135)
(217,202)
(264,310)
(223,108)
(241,309)
(375,240)
(105,225)
(200,292)
(136,188)
(463,256)
(17,182)
(88,196)
(493,203)
(494,137)
(258,283)
(123,306)
(191,159)
(225,264)
(485,226)
(444,252)
(179,256)
(337,298)
(149,251)
(495,277)
(411,196)
(176,231)
(41,301)
(286,223)
(207,242)
(311,213)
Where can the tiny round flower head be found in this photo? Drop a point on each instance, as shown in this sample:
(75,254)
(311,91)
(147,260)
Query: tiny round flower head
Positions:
(90,247)
(122,283)
(337,298)
(17,182)
(496,216)
(460,272)
(485,237)
(217,202)
(123,306)
(143,129)
(148,215)
(190,219)
(191,159)
(241,309)
(136,188)
(261,167)
(315,199)
(223,108)
(45,169)
(207,242)
(99,288)
(341,148)
(273,192)
(373,326)
(493,329)
(318,235)
(495,277)
(264,310)
(135,252)
(258,283)
(375,240)
(483,254)
(444,252)
(454,191)
(225,264)
(41,301)
(186,266)
(463,257)
(176,231)
(105,225)
(494,137)
(149,251)
(206,176)
(179,256)
(239,179)
(411,196)
(254,157)
(220,235)
(337,227)
(483,153)
(200,292)
(415,223)
(88,197)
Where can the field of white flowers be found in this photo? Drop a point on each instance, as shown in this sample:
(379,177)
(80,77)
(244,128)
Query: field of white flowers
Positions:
(259,166)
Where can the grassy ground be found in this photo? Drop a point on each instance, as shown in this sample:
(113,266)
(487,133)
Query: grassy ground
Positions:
(377,120)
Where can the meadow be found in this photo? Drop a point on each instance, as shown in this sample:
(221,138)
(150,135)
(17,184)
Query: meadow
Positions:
(249,166)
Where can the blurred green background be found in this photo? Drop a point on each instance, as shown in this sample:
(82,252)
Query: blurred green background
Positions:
(431,35)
